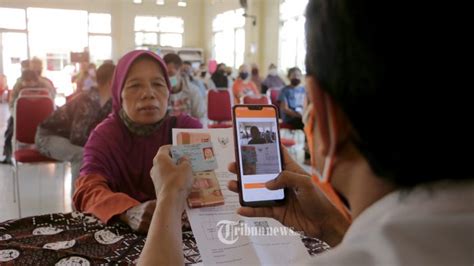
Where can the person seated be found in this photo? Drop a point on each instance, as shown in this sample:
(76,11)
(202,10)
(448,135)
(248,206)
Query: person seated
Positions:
(63,135)
(272,80)
(243,85)
(255,77)
(115,178)
(29,80)
(188,73)
(291,100)
(219,79)
(381,155)
(185,97)
(37,66)
(257,136)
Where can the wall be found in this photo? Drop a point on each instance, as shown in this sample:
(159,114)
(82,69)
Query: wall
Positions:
(123,13)
(261,41)
(198,16)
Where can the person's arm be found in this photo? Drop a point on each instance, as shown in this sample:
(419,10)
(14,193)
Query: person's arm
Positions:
(93,195)
(172,185)
(284,107)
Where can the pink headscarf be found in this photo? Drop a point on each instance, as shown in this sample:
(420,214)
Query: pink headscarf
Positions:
(123,158)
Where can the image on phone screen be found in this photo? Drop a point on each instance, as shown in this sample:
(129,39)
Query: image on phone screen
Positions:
(259,154)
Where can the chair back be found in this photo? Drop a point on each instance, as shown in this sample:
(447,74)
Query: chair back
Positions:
(273,94)
(30,111)
(34,92)
(219,105)
(250,99)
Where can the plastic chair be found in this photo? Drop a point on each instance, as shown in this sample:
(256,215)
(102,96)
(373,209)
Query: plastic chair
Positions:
(250,99)
(272,94)
(34,92)
(29,112)
(219,108)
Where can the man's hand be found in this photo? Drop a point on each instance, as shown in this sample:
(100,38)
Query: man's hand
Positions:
(139,217)
(306,208)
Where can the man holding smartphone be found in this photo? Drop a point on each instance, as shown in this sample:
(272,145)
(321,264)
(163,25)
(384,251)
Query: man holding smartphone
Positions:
(384,145)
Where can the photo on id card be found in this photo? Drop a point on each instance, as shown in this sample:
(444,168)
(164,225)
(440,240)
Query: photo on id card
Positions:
(206,190)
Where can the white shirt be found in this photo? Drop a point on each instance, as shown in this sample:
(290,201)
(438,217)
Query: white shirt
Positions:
(429,225)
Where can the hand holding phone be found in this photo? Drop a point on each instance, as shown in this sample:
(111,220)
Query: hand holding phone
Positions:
(258,154)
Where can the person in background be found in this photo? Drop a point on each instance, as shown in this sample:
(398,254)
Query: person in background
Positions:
(188,73)
(398,165)
(90,80)
(114,182)
(243,85)
(81,76)
(230,78)
(256,79)
(291,100)
(3,86)
(63,135)
(219,77)
(185,97)
(28,80)
(272,80)
(37,66)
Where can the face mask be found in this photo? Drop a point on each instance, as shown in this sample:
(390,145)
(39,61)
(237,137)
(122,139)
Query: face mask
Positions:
(173,81)
(243,75)
(295,82)
(273,72)
(322,177)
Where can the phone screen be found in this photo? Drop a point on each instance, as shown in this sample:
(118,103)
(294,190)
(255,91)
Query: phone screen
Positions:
(259,155)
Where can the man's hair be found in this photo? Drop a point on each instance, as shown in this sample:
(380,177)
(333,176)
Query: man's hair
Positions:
(29,75)
(293,70)
(25,64)
(172,58)
(187,63)
(105,73)
(380,62)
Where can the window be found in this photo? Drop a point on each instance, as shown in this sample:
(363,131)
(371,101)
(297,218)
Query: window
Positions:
(229,38)
(12,18)
(292,50)
(167,31)
(100,40)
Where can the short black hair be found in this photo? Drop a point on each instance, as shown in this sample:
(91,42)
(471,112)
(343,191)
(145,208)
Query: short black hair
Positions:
(380,63)
(187,63)
(293,70)
(105,73)
(173,58)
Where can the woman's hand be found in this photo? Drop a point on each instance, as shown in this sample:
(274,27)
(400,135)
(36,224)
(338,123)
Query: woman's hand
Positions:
(306,208)
(139,217)
(171,180)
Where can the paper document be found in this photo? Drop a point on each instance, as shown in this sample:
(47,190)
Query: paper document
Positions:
(225,237)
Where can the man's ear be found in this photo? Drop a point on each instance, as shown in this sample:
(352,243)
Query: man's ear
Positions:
(332,125)
(317,97)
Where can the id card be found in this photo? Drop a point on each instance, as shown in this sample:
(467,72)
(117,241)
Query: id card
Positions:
(201,155)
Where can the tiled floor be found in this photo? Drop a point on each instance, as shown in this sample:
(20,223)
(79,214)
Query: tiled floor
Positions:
(46,189)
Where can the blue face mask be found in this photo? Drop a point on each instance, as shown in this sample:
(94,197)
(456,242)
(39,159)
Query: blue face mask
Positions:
(173,81)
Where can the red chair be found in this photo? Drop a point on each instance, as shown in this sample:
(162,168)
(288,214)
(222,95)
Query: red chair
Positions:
(34,92)
(219,108)
(272,94)
(29,112)
(250,99)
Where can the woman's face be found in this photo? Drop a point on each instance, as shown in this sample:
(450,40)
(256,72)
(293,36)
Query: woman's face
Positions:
(145,94)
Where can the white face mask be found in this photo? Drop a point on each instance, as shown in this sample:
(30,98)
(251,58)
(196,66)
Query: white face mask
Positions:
(273,72)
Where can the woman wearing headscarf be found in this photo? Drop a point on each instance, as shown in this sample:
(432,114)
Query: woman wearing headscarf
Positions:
(115,178)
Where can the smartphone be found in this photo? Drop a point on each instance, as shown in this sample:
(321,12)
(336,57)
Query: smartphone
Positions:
(258,154)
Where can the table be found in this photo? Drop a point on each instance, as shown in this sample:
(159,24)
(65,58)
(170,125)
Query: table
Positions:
(81,239)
